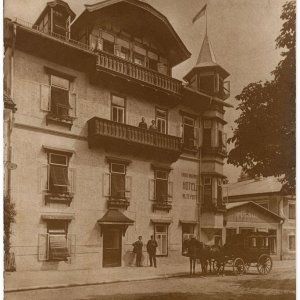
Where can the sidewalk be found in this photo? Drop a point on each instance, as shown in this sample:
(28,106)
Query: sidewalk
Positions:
(29,280)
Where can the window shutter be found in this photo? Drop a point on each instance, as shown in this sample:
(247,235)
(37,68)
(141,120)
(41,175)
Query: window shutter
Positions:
(45,98)
(224,140)
(43,239)
(71,242)
(72,180)
(180,130)
(196,137)
(216,85)
(73,105)
(106,185)
(44,177)
(170,190)
(128,186)
(117,49)
(152,189)
(100,44)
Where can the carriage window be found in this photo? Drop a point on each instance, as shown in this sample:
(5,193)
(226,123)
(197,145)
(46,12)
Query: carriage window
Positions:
(161,236)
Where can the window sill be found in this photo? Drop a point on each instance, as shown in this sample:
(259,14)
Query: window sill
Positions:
(162,206)
(118,202)
(59,198)
(64,121)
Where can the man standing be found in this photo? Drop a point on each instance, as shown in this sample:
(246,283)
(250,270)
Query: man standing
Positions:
(138,249)
(143,124)
(151,249)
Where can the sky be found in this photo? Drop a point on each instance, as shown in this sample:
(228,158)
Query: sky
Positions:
(242,34)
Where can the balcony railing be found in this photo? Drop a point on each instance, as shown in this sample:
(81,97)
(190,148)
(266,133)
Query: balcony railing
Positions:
(221,151)
(131,70)
(60,37)
(130,135)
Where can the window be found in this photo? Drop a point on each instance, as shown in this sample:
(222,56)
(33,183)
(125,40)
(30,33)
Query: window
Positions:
(60,23)
(161,120)
(187,233)
(161,185)
(152,64)
(218,240)
(60,88)
(292,243)
(58,231)
(230,232)
(118,109)
(292,211)
(116,184)
(161,236)
(207,190)
(206,84)
(108,46)
(188,132)
(117,173)
(124,53)
(58,181)
(220,193)
(273,241)
(138,59)
(207,125)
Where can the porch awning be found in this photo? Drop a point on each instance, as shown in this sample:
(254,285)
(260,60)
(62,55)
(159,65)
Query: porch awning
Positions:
(191,222)
(161,221)
(114,217)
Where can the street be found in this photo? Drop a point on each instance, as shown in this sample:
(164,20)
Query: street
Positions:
(279,284)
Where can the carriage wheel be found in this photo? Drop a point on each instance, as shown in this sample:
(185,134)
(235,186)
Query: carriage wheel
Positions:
(238,266)
(264,264)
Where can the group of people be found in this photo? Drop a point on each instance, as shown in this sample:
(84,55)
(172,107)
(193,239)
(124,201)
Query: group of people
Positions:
(144,125)
(151,249)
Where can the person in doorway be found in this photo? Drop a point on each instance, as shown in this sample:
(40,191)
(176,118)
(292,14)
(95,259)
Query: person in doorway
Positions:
(138,250)
(143,124)
(153,127)
(151,249)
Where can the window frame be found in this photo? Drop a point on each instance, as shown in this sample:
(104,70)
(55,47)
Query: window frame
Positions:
(118,107)
(289,244)
(161,179)
(183,233)
(161,119)
(166,233)
(293,216)
(119,174)
(193,126)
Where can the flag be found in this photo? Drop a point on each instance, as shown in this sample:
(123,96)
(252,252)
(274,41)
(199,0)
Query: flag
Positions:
(200,14)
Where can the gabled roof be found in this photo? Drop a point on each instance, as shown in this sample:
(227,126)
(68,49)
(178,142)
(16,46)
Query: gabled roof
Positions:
(53,4)
(233,205)
(114,216)
(254,186)
(181,52)
(206,59)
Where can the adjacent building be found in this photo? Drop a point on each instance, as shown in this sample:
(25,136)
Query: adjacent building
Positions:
(277,213)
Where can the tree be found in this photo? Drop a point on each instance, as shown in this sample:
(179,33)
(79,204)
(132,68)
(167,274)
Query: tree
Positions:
(264,139)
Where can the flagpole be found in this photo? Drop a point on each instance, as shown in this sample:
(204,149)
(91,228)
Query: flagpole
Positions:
(206,22)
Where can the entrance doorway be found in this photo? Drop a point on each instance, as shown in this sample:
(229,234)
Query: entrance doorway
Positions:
(112,246)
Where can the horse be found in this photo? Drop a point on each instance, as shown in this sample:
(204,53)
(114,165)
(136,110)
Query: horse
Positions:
(192,247)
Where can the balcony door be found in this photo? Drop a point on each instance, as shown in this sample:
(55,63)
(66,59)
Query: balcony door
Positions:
(112,246)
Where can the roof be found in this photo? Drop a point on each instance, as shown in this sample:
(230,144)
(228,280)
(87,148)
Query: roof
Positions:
(206,59)
(114,216)
(253,186)
(53,4)
(181,53)
(253,204)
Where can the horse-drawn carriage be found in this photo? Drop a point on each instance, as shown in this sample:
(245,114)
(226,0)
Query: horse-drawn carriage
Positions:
(241,251)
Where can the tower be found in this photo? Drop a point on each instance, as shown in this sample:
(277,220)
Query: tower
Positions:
(207,75)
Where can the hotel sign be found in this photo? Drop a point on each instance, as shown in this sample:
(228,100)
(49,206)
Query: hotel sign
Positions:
(189,186)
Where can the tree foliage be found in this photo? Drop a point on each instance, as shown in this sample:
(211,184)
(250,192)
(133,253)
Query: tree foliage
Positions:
(9,218)
(264,138)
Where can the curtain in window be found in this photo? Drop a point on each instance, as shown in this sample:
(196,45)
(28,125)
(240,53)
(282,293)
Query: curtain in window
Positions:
(161,190)
(118,185)
(58,249)
(58,178)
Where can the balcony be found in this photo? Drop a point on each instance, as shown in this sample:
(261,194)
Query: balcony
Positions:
(134,140)
(145,76)
(217,151)
(214,206)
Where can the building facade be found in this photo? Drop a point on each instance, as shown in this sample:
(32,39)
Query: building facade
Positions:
(91,177)
(269,194)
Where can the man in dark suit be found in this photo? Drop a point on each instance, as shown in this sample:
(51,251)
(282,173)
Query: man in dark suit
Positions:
(151,249)
(138,249)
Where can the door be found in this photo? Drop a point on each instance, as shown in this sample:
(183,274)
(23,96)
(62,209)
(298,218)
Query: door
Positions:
(112,246)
